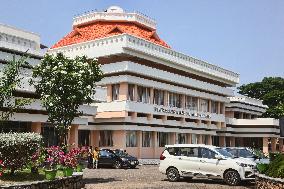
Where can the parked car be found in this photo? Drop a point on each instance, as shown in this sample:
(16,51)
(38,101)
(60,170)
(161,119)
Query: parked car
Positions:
(196,160)
(243,152)
(131,161)
(108,158)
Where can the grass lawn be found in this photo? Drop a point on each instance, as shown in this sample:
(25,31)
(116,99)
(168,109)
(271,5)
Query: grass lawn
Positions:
(25,175)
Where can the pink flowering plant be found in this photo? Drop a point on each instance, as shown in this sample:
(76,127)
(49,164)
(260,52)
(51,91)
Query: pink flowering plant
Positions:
(69,160)
(54,156)
(1,168)
(73,157)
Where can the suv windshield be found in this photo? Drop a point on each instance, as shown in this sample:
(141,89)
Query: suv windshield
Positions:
(245,153)
(224,153)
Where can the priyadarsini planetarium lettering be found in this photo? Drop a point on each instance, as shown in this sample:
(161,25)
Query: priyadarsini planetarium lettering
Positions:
(182,112)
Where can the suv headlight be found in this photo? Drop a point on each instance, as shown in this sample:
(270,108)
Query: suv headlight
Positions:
(245,165)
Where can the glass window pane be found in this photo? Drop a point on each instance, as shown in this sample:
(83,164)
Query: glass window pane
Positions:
(143,94)
(115,91)
(162,139)
(146,138)
(193,139)
(206,153)
(158,97)
(131,92)
(182,138)
(131,139)
(204,105)
(105,138)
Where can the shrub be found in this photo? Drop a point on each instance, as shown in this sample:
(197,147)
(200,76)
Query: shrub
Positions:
(276,167)
(262,168)
(273,155)
(16,149)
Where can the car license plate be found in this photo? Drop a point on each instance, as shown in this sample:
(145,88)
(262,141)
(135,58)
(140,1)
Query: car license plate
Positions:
(132,162)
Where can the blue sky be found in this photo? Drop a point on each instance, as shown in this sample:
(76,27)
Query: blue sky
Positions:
(245,36)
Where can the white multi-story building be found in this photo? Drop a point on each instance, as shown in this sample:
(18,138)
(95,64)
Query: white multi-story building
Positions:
(153,95)
(150,96)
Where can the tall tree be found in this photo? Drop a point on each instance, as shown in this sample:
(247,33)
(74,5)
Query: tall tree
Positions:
(63,85)
(271,91)
(10,79)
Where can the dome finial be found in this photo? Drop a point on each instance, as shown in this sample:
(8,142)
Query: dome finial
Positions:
(115,9)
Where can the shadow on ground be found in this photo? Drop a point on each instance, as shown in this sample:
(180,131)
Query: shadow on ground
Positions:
(99,180)
(246,184)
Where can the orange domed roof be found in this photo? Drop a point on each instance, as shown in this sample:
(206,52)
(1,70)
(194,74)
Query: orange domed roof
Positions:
(101,29)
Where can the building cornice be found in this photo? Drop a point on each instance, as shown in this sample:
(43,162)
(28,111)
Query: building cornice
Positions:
(124,43)
(248,101)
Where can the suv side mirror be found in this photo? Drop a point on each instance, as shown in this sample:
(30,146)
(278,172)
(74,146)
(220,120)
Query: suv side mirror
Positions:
(218,157)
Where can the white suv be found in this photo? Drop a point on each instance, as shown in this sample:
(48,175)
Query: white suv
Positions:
(197,160)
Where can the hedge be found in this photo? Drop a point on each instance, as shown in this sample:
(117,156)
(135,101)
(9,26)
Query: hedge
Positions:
(276,167)
(16,149)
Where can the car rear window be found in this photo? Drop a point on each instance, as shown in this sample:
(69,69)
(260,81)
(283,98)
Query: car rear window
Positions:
(173,151)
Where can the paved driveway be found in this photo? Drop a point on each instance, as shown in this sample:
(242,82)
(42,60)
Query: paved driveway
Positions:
(146,177)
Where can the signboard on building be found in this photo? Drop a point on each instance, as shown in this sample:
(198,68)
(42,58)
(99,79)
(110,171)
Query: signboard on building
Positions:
(182,112)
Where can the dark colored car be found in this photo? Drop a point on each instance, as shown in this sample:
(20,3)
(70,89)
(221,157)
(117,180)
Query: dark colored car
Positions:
(129,160)
(108,158)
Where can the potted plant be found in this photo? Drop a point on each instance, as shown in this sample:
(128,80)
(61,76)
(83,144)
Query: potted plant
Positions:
(80,155)
(37,160)
(69,163)
(53,157)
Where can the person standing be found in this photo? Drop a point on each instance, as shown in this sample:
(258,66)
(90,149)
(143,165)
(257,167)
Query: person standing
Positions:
(95,157)
(90,157)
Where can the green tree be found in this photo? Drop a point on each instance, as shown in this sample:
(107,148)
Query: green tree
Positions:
(10,79)
(63,85)
(271,91)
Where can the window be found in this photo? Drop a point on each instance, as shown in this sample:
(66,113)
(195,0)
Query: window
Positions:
(182,138)
(163,139)
(189,152)
(174,100)
(245,153)
(214,107)
(183,151)
(173,151)
(206,139)
(204,105)
(104,153)
(50,135)
(106,138)
(115,91)
(143,94)
(131,92)
(191,103)
(159,97)
(206,153)
(193,139)
(146,138)
(15,126)
(84,137)
(131,139)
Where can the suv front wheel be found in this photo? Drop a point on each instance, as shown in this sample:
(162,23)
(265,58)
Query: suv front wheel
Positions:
(173,174)
(232,178)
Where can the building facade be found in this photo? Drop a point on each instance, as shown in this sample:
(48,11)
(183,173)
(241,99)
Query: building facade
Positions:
(244,127)
(152,95)
(15,43)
